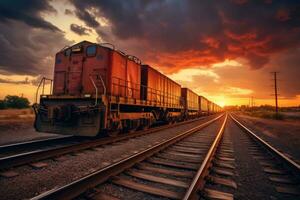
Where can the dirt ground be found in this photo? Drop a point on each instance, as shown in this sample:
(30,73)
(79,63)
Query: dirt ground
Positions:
(282,134)
(16,125)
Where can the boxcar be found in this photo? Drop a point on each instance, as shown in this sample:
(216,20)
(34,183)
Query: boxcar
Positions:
(203,105)
(161,93)
(209,107)
(190,102)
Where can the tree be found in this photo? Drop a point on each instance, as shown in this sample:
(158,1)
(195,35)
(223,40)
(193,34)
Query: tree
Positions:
(2,104)
(11,101)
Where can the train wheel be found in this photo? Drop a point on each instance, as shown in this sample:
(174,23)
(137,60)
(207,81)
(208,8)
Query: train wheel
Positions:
(114,129)
(146,124)
(134,124)
(125,126)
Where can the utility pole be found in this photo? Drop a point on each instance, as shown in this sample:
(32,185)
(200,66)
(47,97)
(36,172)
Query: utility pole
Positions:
(276,92)
(249,104)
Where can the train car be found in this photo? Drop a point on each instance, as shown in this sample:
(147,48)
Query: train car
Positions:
(216,108)
(203,105)
(210,107)
(161,94)
(219,109)
(213,107)
(190,103)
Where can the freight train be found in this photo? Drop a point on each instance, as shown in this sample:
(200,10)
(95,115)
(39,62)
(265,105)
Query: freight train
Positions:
(100,90)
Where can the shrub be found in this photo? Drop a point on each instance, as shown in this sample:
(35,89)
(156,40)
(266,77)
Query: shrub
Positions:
(11,101)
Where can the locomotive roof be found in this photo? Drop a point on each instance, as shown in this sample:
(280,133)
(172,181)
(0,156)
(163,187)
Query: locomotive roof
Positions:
(103,45)
(161,73)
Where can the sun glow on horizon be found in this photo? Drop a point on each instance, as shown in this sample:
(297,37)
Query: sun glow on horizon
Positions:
(222,104)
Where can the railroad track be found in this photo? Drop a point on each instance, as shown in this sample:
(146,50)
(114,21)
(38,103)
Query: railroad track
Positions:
(21,147)
(192,166)
(286,160)
(60,148)
(246,166)
(174,168)
(283,174)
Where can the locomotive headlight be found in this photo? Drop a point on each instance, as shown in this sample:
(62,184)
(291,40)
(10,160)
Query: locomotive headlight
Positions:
(87,95)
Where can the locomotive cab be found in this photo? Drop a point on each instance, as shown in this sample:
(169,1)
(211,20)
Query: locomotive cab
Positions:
(76,105)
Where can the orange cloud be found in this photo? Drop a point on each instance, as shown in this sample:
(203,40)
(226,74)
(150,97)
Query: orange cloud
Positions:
(211,42)
(173,62)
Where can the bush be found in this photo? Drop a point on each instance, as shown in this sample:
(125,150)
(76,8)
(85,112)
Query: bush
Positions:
(15,102)
(266,114)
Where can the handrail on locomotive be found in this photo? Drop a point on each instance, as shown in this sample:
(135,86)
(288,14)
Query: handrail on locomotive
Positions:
(42,81)
(96,89)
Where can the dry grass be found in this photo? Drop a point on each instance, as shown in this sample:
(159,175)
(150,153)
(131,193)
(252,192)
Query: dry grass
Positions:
(283,134)
(16,119)
(16,114)
(16,111)
(272,115)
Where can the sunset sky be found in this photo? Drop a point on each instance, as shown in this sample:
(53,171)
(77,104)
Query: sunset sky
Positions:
(222,49)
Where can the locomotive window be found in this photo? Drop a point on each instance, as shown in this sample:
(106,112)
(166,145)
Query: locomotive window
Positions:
(91,50)
(68,52)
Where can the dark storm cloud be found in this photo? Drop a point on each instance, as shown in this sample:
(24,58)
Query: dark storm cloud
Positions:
(26,50)
(157,21)
(84,15)
(288,66)
(28,42)
(27,11)
(80,30)
(208,30)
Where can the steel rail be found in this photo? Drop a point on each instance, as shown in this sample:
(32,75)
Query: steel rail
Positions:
(199,179)
(78,187)
(290,163)
(33,143)
(37,155)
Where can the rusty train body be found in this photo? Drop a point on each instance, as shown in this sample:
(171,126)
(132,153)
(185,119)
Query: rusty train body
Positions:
(98,89)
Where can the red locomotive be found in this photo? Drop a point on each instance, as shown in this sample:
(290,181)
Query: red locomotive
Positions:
(98,89)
